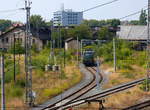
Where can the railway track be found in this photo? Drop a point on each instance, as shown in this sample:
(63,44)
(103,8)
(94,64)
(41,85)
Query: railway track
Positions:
(77,93)
(105,93)
(138,106)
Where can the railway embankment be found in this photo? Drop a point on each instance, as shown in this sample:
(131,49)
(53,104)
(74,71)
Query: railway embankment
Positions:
(86,79)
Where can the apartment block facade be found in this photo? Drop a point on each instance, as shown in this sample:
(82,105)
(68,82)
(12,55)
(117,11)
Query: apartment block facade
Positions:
(67,18)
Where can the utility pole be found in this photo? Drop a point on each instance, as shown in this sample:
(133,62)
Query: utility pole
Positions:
(148,48)
(28,64)
(77,50)
(114,54)
(14,60)
(64,56)
(81,50)
(2,81)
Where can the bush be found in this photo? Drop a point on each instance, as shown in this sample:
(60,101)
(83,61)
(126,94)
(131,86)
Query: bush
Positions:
(40,61)
(9,74)
(51,92)
(143,85)
(21,83)
(14,91)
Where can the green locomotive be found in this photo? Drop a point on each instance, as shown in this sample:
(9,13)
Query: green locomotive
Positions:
(88,58)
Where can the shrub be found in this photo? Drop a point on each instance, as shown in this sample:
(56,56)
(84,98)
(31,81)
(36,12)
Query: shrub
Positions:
(9,74)
(21,83)
(51,92)
(40,61)
(14,91)
(143,85)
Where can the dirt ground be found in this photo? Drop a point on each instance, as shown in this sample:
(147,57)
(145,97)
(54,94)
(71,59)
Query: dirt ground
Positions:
(122,99)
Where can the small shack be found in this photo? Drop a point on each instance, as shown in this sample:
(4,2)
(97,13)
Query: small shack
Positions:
(71,43)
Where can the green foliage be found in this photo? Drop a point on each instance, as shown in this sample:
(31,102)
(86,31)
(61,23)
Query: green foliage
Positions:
(115,22)
(134,22)
(19,49)
(123,65)
(144,85)
(105,51)
(143,18)
(34,48)
(102,23)
(125,54)
(37,21)
(91,22)
(82,31)
(51,92)
(14,91)
(104,34)
(9,74)
(4,24)
(40,61)
(9,70)
(20,83)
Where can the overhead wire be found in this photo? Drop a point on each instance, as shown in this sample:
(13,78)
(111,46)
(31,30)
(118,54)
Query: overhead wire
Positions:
(100,5)
(135,13)
(10,10)
(5,11)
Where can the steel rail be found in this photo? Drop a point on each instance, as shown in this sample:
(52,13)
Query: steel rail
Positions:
(76,94)
(81,92)
(106,93)
(138,106)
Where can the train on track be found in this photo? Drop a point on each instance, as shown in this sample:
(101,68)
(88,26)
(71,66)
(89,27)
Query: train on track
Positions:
(88,58)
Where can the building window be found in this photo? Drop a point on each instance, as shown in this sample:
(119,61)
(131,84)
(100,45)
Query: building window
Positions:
(2,40)
(7,40)
(33,41)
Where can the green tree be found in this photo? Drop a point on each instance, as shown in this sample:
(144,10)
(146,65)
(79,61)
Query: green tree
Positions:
(104,34)
(134,22)
(143,18)
(82,31)
(91,22)
(115,22)
(19,49)
(37,21)
(4,24)
(102,23)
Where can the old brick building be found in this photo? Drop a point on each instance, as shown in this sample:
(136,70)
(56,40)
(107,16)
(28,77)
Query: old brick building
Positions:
(17,33)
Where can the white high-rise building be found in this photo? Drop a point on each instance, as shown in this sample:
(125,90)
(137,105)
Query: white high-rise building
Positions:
(67,18)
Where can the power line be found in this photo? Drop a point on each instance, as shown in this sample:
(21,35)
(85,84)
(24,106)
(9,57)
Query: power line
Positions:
(100,5)
(11,10)
(135,13)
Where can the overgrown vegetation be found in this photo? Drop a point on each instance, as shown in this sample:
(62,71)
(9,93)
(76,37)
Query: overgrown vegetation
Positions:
(130,61)
(45,84)
(126,54)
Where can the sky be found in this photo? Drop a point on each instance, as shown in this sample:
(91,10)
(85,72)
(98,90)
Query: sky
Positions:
(45,8)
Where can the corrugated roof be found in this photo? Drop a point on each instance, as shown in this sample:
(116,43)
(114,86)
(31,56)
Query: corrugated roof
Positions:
(133,32)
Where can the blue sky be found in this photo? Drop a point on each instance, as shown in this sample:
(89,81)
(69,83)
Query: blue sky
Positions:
(46,8)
